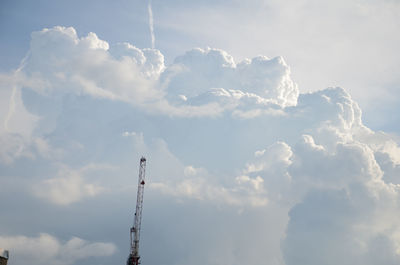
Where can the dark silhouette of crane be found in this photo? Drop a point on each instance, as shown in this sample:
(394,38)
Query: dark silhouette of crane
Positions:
(134,257)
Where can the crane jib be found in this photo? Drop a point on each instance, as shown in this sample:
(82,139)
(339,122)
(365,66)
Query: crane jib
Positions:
(134,257)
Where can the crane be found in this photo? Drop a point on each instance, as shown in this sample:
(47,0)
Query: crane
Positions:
(134,257)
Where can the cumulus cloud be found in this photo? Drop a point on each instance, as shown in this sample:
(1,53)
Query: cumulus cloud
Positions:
(69,64)
(231,138)
(61,63)
(200,73)
(47,249)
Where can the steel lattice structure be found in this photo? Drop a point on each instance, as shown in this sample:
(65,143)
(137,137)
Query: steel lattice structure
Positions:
(134,256)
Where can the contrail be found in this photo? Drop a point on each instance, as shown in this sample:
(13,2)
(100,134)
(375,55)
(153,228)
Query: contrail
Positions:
(11,105)
(151,25)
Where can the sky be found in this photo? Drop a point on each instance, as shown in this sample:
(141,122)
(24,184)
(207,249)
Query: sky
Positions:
(269,128)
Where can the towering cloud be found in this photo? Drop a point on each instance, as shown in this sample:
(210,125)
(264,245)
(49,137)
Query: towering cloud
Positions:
(236,154)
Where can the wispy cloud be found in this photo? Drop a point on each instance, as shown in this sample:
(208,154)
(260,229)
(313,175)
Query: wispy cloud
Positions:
(151,24)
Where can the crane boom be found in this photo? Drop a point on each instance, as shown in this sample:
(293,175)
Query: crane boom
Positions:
(134,257)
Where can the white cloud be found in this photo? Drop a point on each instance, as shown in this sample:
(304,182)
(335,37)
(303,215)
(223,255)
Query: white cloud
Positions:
(86,65)
(310,34)
(198,184)
(68,186)
(12,146)
(265,81)
(268,159)
(47,249)
(217,133)
(90,66)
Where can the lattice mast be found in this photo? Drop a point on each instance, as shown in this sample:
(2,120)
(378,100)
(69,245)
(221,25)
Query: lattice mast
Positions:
(134,257)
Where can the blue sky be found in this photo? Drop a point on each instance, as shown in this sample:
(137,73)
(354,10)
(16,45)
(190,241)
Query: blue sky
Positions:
(270,129)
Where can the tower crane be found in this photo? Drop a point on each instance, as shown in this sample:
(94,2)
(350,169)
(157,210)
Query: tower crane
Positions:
(134,257)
